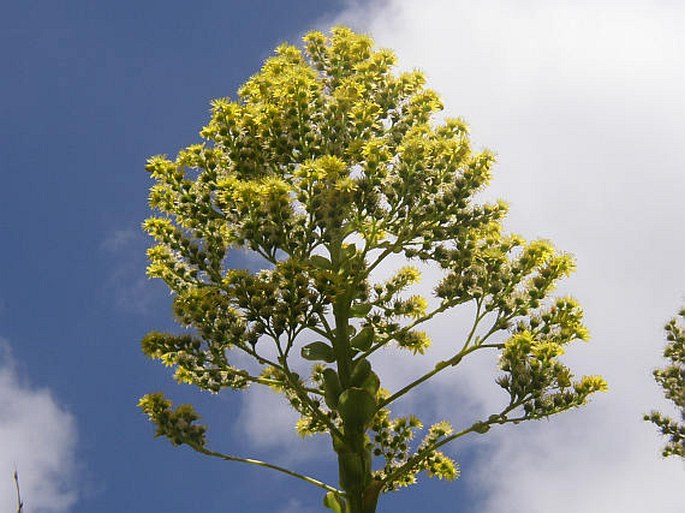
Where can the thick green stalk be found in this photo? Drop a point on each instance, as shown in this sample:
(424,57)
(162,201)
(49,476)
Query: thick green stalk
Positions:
(354,466)
(354,454)
(341,313)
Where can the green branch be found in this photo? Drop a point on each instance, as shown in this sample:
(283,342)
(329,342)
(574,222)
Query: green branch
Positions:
(406,328)
(440,366)
(301,393)
(480,426)
(260,463)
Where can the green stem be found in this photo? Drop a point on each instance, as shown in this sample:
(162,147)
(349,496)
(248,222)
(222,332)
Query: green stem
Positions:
(341,343)
(354,466)
(260,463)
(341,314)
(262,381)
(406,328)
(440,366)
(477,426)
(304,397)
(329,333)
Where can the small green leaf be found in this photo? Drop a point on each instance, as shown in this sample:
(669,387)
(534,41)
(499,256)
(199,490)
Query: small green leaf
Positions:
(318,351)
(331,387)
(320,261)
(364,339)
(363,377)
(481,427)
(350,250)
(361,310)
(372,383)
(356,407)
(333,502)
(360,372)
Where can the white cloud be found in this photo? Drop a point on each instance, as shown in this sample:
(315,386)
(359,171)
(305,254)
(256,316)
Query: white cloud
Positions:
(267,422)
(583,103)
(573,464)
(259,404)
(38,437)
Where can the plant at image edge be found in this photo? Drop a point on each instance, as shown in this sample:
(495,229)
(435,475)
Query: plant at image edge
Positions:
(326,166)
(672,379)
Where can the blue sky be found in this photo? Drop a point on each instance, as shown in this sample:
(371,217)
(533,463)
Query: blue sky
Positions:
(90,91)
(582,102)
